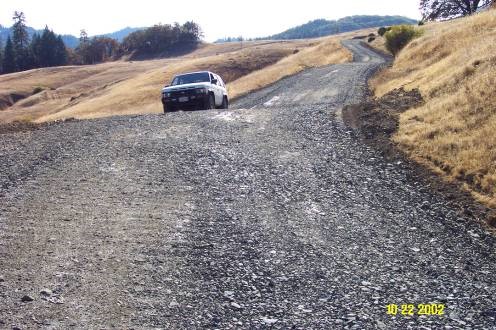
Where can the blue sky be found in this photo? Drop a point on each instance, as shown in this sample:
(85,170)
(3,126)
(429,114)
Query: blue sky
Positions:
(218,18)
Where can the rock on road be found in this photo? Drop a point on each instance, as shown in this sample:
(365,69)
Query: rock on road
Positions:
(272,215)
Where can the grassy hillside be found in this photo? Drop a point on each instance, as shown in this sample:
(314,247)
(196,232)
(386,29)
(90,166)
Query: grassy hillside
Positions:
(123,88)
(322,27)
(454,66)
(120,87)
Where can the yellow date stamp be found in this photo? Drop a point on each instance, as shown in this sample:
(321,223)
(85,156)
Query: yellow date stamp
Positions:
(419,309)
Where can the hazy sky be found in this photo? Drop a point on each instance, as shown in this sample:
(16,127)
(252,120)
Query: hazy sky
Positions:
(218,18)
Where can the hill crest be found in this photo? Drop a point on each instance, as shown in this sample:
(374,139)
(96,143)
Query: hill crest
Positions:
(322,27)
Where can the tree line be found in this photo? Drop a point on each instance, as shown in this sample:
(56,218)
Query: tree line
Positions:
(22,52)
(236,39)
(163,39)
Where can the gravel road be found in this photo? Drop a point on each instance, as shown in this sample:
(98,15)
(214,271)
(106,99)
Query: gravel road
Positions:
(273,215)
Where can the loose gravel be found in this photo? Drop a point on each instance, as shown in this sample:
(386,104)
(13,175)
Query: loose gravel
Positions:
(270,216)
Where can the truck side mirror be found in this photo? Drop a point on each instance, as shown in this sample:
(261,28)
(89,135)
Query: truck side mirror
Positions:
(214,81)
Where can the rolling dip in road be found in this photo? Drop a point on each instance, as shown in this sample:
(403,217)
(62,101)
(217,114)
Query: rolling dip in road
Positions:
(270,215)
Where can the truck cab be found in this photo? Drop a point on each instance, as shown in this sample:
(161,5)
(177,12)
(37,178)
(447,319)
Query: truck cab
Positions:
(195,90)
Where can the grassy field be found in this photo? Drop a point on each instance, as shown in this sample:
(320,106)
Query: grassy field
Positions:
(125,88)
(122,87)
(454,66)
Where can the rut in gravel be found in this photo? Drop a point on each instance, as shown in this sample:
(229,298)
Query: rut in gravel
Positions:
(272,215)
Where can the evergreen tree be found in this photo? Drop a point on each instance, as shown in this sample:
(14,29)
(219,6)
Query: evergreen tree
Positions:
(48,49)
(1,54)
(83,37)
(82,50)
(19,30)
(20,40)
(9,64)
(35,50)
(61,54)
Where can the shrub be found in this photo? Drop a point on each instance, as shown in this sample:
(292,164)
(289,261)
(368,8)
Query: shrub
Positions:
(371,39)
(38,89)
(382,31)
(163,38)
(372,35)
(399,36)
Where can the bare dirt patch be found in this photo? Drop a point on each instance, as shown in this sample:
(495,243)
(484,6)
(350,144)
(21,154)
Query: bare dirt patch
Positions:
(378,118)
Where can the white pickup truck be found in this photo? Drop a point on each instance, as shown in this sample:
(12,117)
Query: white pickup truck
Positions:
(195,90)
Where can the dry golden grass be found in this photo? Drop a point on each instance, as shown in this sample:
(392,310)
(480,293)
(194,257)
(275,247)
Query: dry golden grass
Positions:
(74,86)
(61,84)
(141,93)
(454,66)
(123,88)
(328,51)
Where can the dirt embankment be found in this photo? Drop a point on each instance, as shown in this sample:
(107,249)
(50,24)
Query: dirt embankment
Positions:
(377,120)
(453,65)
(10,99)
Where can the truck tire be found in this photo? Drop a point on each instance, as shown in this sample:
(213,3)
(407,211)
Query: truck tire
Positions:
(225,103)
(210,102)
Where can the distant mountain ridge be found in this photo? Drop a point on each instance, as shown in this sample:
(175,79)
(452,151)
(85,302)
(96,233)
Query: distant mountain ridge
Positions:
(322,27)
(122,33)
(70,40)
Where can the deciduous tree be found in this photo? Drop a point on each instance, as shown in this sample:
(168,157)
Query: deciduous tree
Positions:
(163,39)
(97,49)
(447,9)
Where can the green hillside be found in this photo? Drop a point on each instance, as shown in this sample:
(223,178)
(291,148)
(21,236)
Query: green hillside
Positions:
(323,27)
